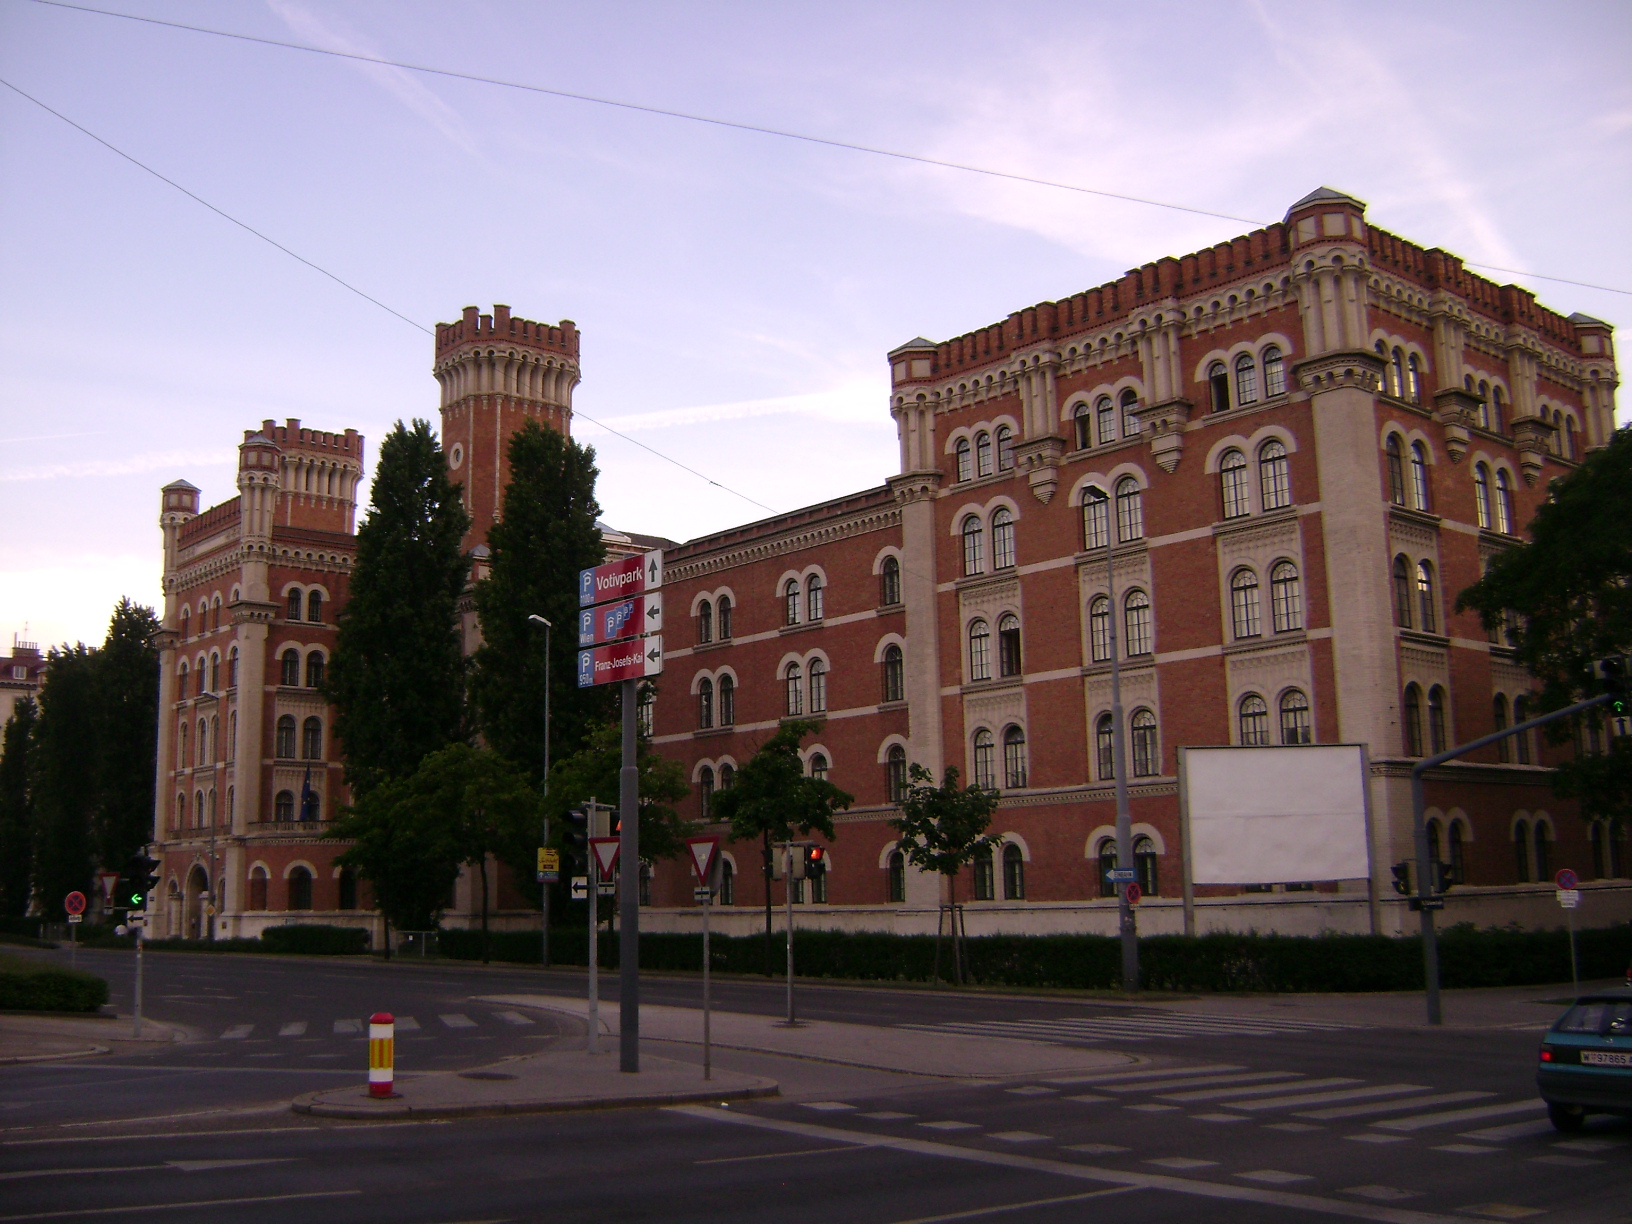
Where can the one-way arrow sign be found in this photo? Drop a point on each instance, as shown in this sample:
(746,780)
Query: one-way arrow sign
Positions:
(622,661)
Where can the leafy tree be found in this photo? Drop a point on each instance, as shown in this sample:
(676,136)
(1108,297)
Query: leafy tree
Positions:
(942,829)
(64,776)
(773,797)
(408,851)
(127,737)
(546,533)
(397,677)
(1570,585)
(16,809)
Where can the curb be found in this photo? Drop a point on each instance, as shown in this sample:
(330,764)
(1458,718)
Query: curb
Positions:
(87,1052)
(386,1110)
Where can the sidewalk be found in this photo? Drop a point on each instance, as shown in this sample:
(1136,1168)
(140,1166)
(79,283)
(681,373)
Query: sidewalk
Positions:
(47,1036)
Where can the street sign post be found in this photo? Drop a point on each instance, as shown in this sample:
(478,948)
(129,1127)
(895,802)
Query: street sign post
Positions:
(632,660)
(620,579)
(580,888)
(624,619)
(1569,898)
(704,854)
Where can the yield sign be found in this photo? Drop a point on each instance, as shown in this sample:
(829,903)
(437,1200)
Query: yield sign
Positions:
(703,850)
(606,854)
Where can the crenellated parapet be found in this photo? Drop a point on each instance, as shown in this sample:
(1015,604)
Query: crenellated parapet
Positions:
(501,354)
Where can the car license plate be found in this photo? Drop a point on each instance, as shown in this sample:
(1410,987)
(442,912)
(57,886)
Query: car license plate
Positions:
(1606,1058)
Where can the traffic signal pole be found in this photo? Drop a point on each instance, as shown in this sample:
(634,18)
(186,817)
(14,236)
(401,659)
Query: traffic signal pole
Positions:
(629,894)
(1127,924)
(140,931)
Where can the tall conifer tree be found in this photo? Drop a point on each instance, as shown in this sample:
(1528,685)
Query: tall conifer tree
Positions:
(64,777)
(546,533)
(397,678)
(127,678)
(16,809)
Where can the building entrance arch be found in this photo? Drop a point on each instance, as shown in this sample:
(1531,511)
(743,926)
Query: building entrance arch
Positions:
(197,892)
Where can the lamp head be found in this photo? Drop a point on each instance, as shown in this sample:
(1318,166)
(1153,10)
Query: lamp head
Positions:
(537,619)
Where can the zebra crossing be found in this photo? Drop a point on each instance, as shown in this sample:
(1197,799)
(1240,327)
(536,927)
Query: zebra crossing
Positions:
(449,1022)
(1133,1025)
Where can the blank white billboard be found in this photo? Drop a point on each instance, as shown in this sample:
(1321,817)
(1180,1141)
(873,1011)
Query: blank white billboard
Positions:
(1276,815)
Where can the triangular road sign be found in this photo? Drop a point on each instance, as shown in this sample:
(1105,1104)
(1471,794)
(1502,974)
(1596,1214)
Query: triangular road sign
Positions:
(703,850)
(606,854)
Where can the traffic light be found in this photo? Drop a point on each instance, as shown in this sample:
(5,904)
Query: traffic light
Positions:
(140,877)
(815,862)
(576,834)
(1610,672)
(1402,878)
(1443,876)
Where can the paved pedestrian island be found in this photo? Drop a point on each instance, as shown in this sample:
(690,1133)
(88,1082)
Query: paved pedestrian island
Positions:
(539,1083)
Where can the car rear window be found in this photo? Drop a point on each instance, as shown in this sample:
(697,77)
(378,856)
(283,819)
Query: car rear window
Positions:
(1597,1017)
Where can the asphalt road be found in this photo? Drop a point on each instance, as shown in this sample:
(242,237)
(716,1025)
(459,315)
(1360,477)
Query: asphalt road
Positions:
(1252,1125)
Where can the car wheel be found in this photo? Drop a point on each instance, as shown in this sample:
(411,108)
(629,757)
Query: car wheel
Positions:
(1567,1118)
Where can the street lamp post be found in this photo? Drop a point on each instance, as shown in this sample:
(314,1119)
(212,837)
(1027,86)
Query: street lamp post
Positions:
(1119,765)
(544,888)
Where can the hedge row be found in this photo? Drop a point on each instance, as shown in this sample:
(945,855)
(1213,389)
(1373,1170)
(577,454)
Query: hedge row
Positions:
(312,939)
(1219,963)
(27,985)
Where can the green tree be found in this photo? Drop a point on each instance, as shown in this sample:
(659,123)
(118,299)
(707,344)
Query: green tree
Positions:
(16,809)
(407,851)
(1564,598)
(773,797)
(63,765)
(127,737)
(546,533)
(595,771)
(942,829)
(397,678)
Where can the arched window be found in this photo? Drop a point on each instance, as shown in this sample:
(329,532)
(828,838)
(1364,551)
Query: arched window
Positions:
(1436,720)
(1286,597)
(285,746)
(1481,494)
(1147,757)
(1008,645)
(1483,412)
(645,710)
(895,685)
(1106,854)
(1218,386)
(1232,476)
(818,766)
(818,687)
(1105,420)
(1105,748)
(181,681)
(300,889)
(198,809)
(1002,538)
(181,812)
(1295,728)
(1014,758)
(974,550)
(966,468)
(215,673)
(813,598)
(896,876)
(794,689)
(314,607)
(728,883)
(1521,852)
(1274,478)
(1544,856)
(1498,411)
(895,773)
(985,881)
(1274,372)
(310,805)
(728,701)
(1396,371)
(257,888)
(1396,469)
(232,668)
(1099,628)
(1521,741)
(296,603)
(1130,510)
(311,739)
(1413,720)
(1504,503)
(186,623)
(705,622)
(1095,518)
(283,807)
(705,703)
(1244,603)
(1014,873)
(1254,721)
(980,650)
(1433,841)
(985,760)
(1413,379)
(725,618)
(348,888)
(1420,492)
(889,582)
(200,670)
(1426,603)
(181,744)
(983,454)
(790,602)
(1130,412)
(1005,448)
(204,757)
(1402,592)
(1144,862)
(1246,380)
(314,669)
(1136,615)
(291,669)
(705,791)
(1569,438)
(1504,747)
(1082,422)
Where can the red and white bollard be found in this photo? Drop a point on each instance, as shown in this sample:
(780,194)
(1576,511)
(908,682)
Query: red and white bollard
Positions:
(382,1044)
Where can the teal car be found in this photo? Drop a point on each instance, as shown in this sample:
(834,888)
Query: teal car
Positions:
(1585,1063)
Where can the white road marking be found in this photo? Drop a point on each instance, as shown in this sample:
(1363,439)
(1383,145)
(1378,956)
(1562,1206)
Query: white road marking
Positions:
(1364,1138)
(457,1020)
(950,1125)
(1225,1094)
(1205,1081)
(1274,1177)
(1345,1094)
(824,1106)
(238,1032)
(295,1028)
(206,1166)
(1221,1118)
(1466,1149)
(407,1024)
(348,1026)
(1513,1130)
(231,1202)
(827,1151)
(1003,1208)
(1361,1111)
(1182,1162)
(1423,1121)
(1020,1136)
(513,1017)
(1109,1077)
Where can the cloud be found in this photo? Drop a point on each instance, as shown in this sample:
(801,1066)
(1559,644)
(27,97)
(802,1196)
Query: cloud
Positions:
(401,84)
(127,466)
(857,403)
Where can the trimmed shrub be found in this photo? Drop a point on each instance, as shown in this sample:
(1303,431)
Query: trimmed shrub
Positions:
(27,985)
(312,939)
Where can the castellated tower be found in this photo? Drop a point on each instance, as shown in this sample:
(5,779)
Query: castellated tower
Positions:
(496,371)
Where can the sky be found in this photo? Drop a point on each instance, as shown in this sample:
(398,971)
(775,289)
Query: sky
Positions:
(737,291)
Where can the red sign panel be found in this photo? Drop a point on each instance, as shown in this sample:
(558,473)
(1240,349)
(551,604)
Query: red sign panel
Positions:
(623,619)
(703,850)
(74,902)
(605,850)
(1134,894)
(620,579)
(622,661)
